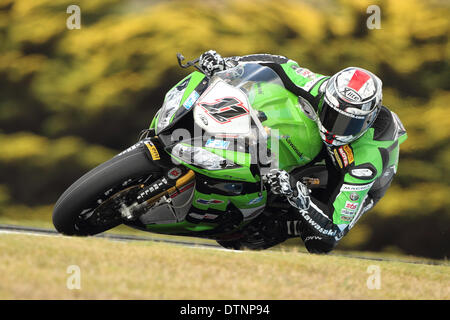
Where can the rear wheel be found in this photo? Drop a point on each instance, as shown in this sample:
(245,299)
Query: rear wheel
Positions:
(75,211)
(266,231)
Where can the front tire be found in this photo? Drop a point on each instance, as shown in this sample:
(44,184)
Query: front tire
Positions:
(89,191)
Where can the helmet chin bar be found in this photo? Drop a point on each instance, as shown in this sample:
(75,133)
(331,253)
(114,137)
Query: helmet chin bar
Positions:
(333,140)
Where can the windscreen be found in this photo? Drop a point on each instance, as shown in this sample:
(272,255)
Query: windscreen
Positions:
(246,76)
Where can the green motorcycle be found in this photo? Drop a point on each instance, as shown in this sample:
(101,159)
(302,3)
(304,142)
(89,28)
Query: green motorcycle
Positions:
(199,169)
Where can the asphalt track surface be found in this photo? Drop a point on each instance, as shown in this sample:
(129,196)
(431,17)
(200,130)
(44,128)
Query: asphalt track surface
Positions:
(13,229)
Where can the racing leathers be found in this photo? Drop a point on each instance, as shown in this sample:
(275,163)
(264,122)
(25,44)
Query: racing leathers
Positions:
(359,173)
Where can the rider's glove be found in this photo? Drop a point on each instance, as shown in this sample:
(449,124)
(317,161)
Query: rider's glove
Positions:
(279,182)
(211,62)
(301,199)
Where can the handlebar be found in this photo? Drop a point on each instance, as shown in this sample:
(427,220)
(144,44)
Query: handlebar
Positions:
(188,64)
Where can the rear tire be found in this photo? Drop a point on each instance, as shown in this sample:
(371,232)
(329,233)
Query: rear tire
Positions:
(86,191)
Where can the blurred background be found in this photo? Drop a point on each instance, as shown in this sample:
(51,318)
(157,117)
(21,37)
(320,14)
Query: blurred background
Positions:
(71,99)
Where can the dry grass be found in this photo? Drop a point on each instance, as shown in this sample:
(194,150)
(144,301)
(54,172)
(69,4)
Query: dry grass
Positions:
(36,268)
(41,217)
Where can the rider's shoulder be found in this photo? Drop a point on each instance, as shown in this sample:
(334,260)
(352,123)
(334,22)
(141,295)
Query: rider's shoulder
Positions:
(372,149)
(388,127)
(366,161)
(303,77)
(361,156)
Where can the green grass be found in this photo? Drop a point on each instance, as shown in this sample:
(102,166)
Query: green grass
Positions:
(36,268)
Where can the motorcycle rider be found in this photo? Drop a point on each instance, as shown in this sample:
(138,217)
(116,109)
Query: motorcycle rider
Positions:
(361,148)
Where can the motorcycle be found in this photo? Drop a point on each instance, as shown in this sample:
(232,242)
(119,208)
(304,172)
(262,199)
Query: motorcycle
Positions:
(199,169)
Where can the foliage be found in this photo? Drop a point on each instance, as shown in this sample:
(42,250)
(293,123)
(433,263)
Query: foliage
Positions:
(72,98)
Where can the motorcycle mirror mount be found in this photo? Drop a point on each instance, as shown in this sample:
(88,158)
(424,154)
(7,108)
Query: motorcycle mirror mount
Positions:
(188,64)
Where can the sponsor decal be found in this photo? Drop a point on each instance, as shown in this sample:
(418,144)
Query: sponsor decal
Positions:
(310,84)
(306,73)
(153,151)
(256,200)
(351,205)
(135,146)
(347,215)
(354,196)
(225,109)
(312,78)
(209,201)
(217,144)
(356,187)
(198,216)
(299,154)
(360,212)
(346,218)
(227,136)
(191,100)
(349,152)
(316,226)
(174,173)
(313,238)
(364,172)
(351,115)
(343,156)
(210,216)
(351,94)
(338,159)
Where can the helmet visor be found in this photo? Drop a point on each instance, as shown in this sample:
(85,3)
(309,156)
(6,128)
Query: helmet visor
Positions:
(341,123)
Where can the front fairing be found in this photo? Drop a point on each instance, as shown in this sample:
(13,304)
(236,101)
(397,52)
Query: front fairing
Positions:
(183,98)
(226,110)
(179,101)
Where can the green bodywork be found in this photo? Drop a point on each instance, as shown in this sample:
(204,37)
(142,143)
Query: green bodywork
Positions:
(298,139)
(298,136)
(194,80)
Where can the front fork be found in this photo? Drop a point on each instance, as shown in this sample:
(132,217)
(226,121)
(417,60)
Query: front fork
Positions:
(162,187)
(174,177)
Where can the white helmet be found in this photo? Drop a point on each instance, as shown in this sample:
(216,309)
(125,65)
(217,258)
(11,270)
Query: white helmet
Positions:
(349,106)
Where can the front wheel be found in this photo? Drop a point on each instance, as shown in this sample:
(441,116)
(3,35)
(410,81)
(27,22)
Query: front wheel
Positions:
(74,212)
